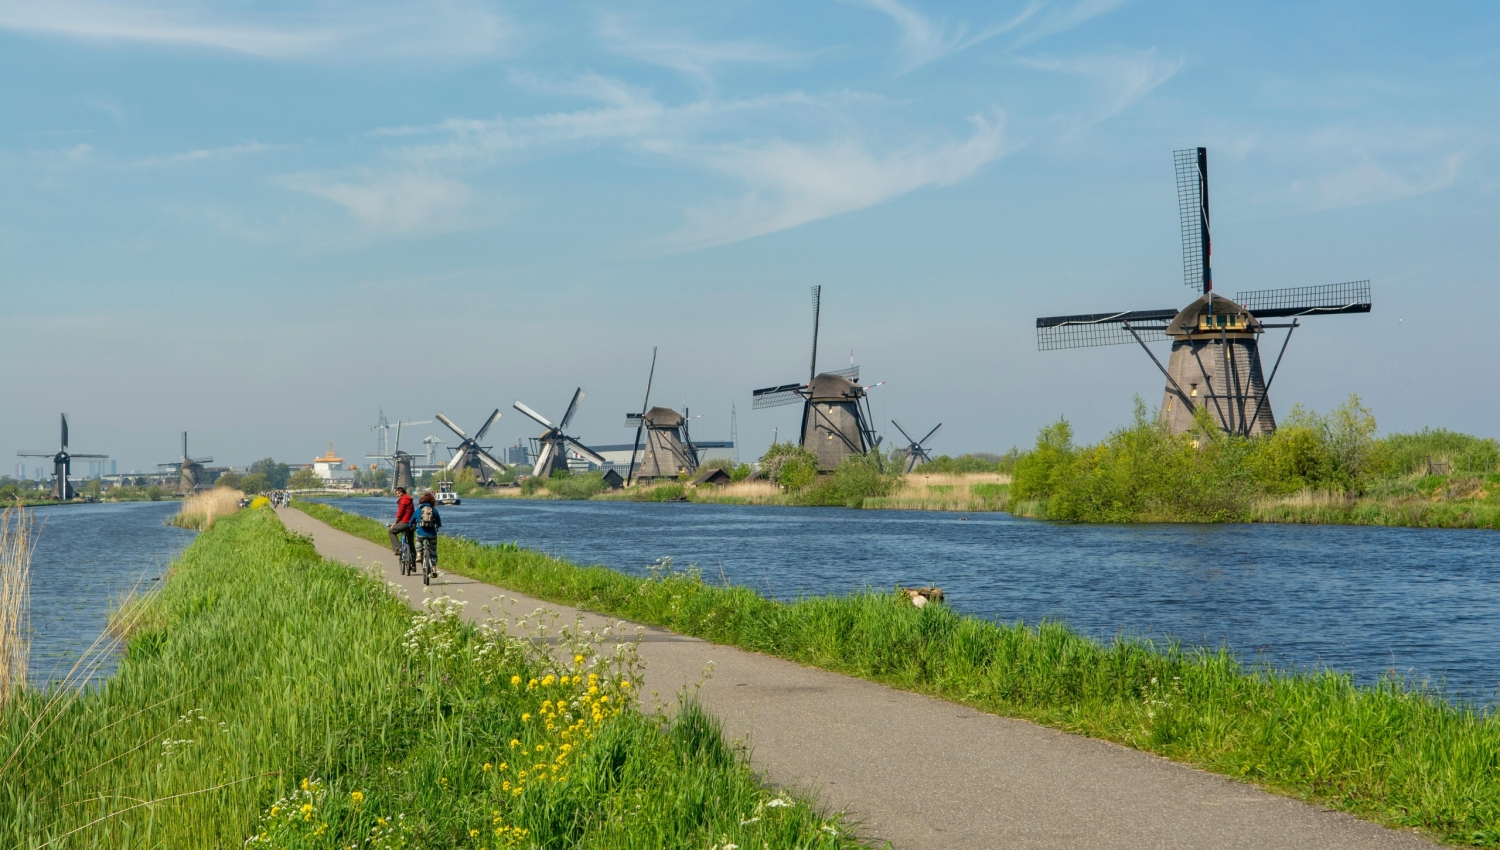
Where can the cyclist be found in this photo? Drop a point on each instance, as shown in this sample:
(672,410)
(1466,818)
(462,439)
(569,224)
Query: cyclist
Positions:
(403,524)
(428,522)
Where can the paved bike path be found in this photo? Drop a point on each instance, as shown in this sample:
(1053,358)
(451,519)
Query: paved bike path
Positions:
(924,773)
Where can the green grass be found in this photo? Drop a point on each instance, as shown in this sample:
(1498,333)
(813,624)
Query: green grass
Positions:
(1396,753)
(260,667)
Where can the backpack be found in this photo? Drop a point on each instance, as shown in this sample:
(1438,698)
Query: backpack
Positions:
(427,518)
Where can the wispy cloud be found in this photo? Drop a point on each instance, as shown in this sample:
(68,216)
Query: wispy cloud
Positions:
(1059,19)
(201,154)
(1372,183)
(398,203)
(925,40)
(1119,79)
(681,52)
(442,30)
(794,184)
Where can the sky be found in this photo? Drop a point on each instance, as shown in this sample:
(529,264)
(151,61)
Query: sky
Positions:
(264,223)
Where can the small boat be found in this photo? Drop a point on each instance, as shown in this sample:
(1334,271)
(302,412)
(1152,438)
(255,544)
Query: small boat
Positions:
(445,494)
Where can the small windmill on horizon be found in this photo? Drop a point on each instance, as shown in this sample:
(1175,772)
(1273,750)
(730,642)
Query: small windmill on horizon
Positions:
(190,472)
(1215,360)
(62,464)
(400,461)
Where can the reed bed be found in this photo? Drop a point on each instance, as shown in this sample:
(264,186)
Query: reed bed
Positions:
(16,529)
(967,492)
(270,698)
(1398,753)
(200,509)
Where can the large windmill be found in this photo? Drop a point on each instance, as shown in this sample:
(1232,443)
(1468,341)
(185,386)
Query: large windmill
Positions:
(62,464)
(835,409)
(553,444)
(469,453)
(190,472)
(667,452)
(400,461)
(915,451)
(1215,361)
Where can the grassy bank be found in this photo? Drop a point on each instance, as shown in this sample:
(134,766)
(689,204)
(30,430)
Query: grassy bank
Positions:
(272,696)
(1316,468)
(1394,753)
(199,510)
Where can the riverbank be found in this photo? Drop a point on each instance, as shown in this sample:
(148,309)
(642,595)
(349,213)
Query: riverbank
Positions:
(1394,753)
(381,729)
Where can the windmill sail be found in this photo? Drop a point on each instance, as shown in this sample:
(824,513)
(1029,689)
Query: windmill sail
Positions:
(776,396)
(1351,297)
(1092,329)
(1192,207)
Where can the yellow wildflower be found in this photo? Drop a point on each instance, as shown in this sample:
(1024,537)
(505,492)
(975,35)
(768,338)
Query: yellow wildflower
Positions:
(548,679)
(624,683)
(526,717)
(515,680)
(487,766)
(358,797)
(578,659)
(473,833)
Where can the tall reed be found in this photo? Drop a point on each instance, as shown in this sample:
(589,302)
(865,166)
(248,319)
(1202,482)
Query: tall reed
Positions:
(16,525)
(199,510)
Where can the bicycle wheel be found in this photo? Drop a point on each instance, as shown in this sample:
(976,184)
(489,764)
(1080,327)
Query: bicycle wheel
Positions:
(426,563)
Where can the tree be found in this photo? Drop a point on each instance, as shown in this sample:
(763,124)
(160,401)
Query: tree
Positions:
(276,473)
(304,479)
(229,480)
(255,482)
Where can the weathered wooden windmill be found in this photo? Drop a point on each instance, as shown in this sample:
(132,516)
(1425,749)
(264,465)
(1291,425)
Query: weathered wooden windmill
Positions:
(835,409)
(1215,361)
(62,464)
(190,472)
(915,451)
(469,454)
(668,451)
(553,444)
(401,462)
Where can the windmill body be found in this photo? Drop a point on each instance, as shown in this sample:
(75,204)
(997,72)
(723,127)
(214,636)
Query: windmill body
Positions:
(400,461)
(191,474)
(835,409)
(553,444)
(62,465)
(1215,360)
(665,450)
(470,454)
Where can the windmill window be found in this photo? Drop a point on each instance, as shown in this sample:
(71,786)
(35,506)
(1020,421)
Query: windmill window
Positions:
(1194,391)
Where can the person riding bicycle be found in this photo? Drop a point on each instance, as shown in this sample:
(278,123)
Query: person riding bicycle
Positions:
(403,524)
(428,522)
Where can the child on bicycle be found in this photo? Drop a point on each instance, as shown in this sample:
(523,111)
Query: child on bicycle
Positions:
(427,524)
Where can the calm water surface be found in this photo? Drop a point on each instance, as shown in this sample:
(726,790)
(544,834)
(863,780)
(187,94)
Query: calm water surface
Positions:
(86,558)
(1422,602)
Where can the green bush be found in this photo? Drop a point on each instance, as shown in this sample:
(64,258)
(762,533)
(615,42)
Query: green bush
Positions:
(789,465)
(976,462)
(858,477)
(583,486)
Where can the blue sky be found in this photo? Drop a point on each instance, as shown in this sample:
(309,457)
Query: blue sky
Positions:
(262,222)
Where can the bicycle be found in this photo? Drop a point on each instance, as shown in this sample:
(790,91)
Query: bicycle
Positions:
(426,547)
(408,559)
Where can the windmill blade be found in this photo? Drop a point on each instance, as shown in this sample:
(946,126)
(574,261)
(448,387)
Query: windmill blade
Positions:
(572,408)
(65,432)
(634,420)
(903,431)
(454,428)
(817,298)
(184,444)
(586,451)
(1091,329)
(852,373)
(457,459)
(533,414)
(1351,297)
(929,435)
(542,457)
(1191,166)
(488,460)
(190,460)
(397,450)
(776,396)
(95,457)
(34,453)
(494,417)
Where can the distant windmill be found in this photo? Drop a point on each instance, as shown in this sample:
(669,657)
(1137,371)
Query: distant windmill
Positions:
(400,461)
(835,412)
(667,452)
(62,464)
(1215,361)
(553,444)
(469,453)
(915,451)
(191,474)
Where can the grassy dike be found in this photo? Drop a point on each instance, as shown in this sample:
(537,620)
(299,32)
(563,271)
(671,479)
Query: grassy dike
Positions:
(1393,753)
(269,695)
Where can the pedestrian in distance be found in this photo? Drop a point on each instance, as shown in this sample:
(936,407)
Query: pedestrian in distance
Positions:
(402,527)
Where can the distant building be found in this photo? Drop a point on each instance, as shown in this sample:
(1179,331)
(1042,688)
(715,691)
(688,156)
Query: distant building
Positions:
(518,454)
(330,468)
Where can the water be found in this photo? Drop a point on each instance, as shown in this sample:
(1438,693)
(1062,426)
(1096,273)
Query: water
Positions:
(1422,602)
(86,558)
